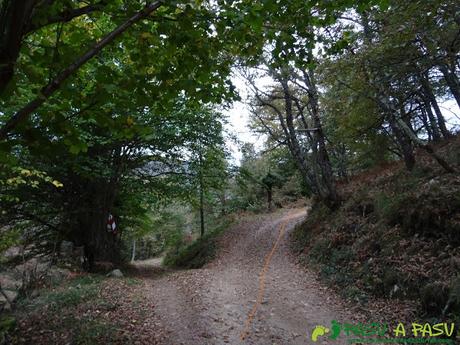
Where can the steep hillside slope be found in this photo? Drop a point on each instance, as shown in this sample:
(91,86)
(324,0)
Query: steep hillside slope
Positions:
(396,236)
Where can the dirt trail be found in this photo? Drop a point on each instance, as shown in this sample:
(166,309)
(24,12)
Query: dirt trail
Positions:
(252,293)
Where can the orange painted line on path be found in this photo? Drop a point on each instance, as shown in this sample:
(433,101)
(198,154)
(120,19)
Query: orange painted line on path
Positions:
(262,277)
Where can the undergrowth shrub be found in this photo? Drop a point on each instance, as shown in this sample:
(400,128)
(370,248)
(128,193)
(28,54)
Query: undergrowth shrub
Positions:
(88,331)
(388,206)
(73,310)
(434,297)
(304,233)
(7,325)
(199,252)
(342,254)
(78,290)
(194,255)
(453,305)
(319,250)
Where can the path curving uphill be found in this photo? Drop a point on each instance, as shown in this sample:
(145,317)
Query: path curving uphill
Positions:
(252,293)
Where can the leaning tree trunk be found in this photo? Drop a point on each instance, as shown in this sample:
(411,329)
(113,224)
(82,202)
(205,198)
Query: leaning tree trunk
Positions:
(323,159)
(452,82)
(404,143)
(325,163)
(133,252)
(432,122)
(202,225)
(427,147)
(441,120)
(287,124)
(427,125)
(319,174)
(269,197)
(432,102)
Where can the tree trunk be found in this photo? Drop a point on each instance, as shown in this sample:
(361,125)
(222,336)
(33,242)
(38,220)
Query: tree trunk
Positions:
(92,201)
(452,82)
(99,243)
(293,144)
(426,124)
(14,19)
(431,101)
(441,121)
(404,143)
(223,203)
(201,198)
(428,148)
(201,214)
(432,122)
(319,174)
(133,253)
(342,166)
(269,198)
(323,156)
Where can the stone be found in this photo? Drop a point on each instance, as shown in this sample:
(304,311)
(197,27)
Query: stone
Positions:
(455,263)
(5,303)
(116,273)
(33,266)
(8,282)
(12,253)
(12,295)
(66,249)
(57,274)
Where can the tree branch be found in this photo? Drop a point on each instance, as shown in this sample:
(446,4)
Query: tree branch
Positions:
(66,16)
(56,83)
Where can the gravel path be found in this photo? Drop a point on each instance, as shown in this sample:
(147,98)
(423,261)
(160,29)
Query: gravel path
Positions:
(252,293)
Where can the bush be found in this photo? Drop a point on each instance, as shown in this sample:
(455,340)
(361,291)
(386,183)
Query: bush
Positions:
(201,251)
(305,232)
(195,255)
(89,332)
(300,237)
(78,290)
(388,207)
(320,251)
(7,325)
(434,297)
(342,254)
(454,297)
